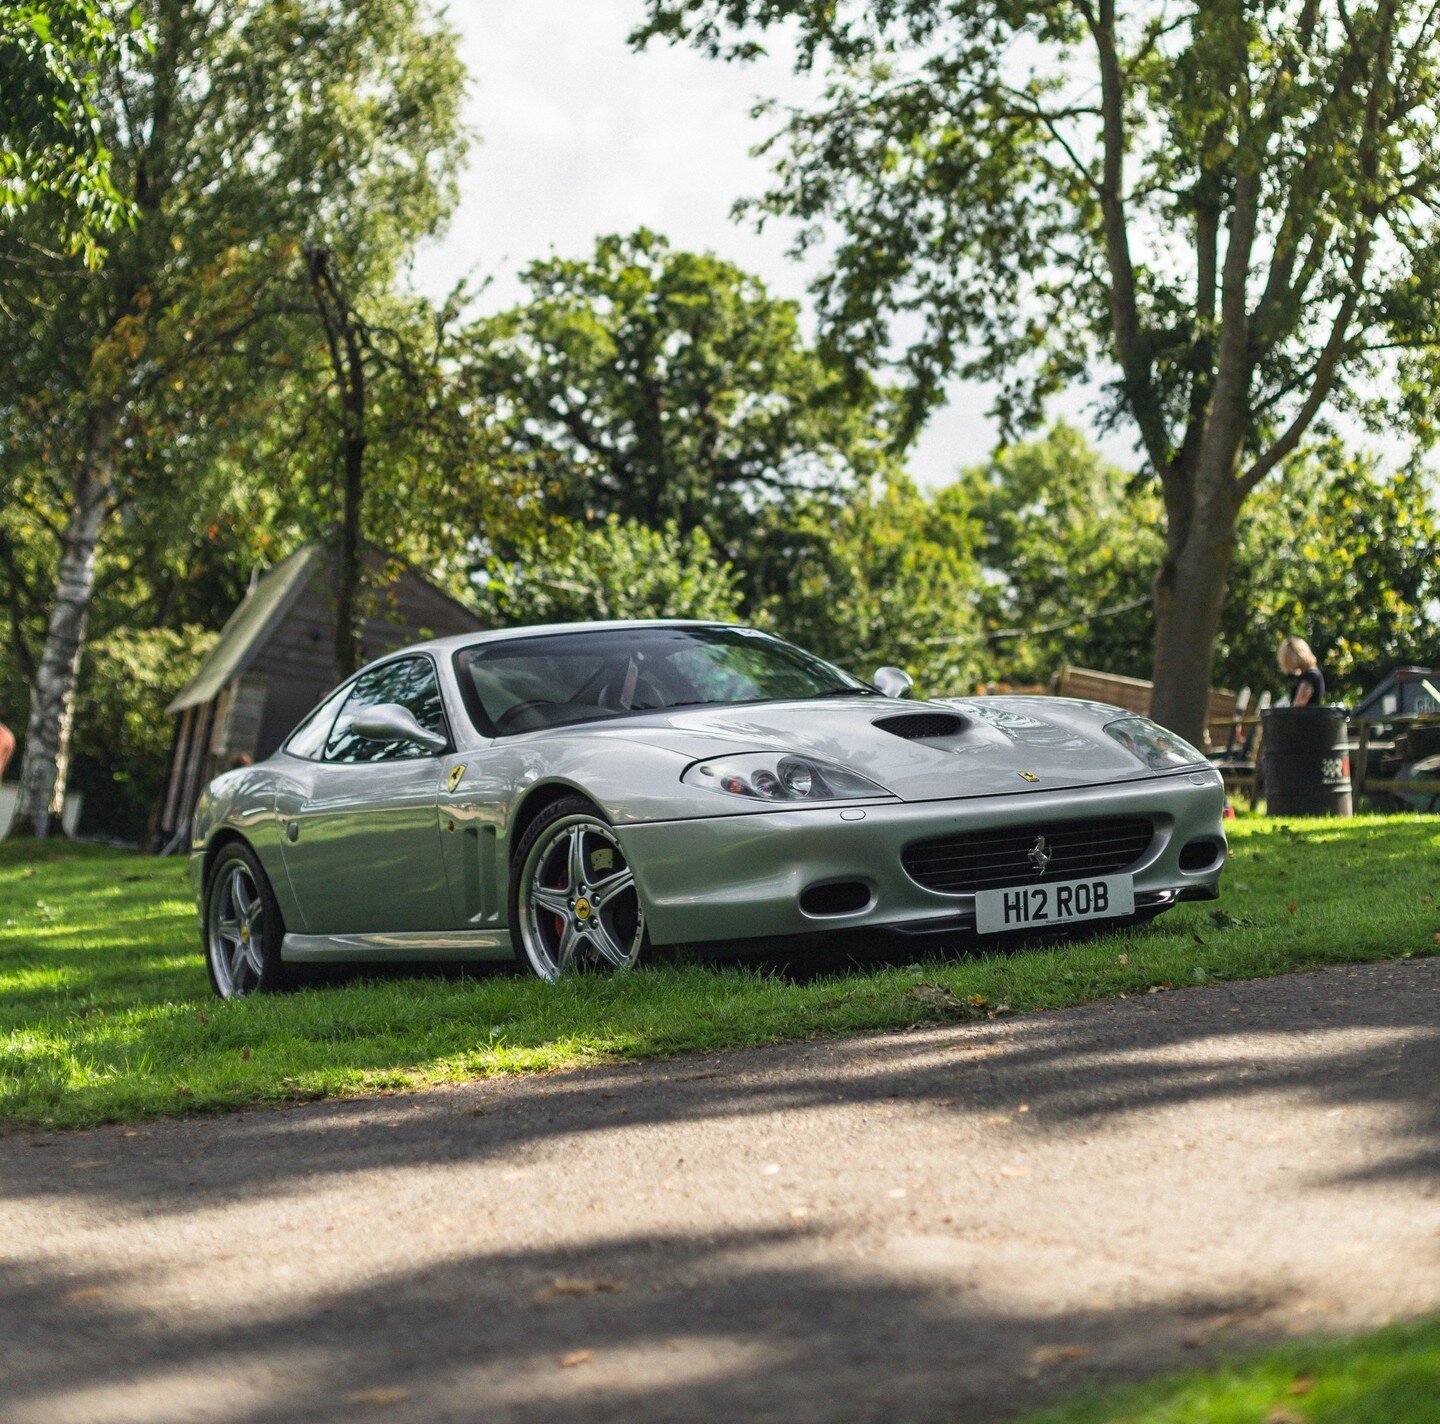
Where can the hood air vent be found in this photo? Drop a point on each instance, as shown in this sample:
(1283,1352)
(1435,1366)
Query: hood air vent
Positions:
(922,726)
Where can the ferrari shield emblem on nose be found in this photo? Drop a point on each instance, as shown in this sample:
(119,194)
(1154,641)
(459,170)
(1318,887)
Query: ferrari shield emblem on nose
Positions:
(1039,855)
(456,772)
(1027,776)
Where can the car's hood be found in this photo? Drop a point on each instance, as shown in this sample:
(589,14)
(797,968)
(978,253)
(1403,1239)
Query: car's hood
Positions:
(996,745)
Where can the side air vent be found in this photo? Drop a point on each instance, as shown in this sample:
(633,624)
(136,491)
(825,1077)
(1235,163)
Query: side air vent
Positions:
(922,726)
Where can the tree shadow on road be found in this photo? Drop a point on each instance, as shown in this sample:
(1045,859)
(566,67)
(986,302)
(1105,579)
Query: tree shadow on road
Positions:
(788,1322)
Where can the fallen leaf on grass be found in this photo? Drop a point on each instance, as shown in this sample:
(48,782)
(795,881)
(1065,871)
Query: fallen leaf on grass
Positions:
(576,1357)
(381,1395)
(936,996)
(1224,920)
(1281,1415)
(245,1055)
(572,1286)
(1301,1384)
(1122,959)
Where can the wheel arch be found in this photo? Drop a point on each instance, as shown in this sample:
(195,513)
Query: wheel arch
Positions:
(535,801)
(227,835)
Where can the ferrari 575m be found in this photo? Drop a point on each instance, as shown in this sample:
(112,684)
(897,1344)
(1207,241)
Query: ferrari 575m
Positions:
(570,795)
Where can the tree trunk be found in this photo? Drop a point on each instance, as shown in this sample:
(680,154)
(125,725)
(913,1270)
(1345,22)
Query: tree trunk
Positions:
(1189,592)
(348,571)
(52,699)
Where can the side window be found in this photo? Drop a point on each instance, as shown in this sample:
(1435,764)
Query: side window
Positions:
(308,739)
(410,682)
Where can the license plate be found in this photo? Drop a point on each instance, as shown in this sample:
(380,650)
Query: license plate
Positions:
(1062,903)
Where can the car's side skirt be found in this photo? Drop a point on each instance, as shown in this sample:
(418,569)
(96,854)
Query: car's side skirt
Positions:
(396,948)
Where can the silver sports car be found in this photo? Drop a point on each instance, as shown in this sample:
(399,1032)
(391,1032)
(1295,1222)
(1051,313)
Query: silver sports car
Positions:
(569,795)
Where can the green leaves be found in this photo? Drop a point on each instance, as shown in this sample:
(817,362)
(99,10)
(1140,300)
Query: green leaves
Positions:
(610,569)
(669,386)
(52,150)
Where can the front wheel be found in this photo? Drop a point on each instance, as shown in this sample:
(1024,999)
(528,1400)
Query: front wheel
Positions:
(573,899)
(243,928)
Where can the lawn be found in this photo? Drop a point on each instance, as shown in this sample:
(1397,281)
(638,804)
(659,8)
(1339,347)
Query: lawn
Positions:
(1390,1377)
(106,1016)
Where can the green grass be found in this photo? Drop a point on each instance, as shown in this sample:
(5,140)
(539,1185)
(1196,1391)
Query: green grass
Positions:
(105,1014)
(1390,1377)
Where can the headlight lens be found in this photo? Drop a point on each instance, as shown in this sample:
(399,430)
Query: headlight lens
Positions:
(780,777)
(1158,748)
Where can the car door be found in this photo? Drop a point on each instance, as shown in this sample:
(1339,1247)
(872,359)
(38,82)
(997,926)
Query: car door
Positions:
(360,819)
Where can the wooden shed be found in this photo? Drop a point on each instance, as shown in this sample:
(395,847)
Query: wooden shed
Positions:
(275,659)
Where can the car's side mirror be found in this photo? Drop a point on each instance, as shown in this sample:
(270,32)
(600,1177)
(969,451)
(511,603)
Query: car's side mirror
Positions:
(390,722)
(893,681)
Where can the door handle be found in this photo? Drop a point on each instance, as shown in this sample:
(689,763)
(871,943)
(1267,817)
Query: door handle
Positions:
(292,831)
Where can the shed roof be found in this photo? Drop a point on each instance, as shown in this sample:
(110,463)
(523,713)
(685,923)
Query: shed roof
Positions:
(246,628)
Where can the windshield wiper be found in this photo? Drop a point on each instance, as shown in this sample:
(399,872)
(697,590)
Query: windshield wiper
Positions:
(847,692)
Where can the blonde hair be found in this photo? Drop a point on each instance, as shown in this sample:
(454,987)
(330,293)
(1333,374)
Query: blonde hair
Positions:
(1295,656)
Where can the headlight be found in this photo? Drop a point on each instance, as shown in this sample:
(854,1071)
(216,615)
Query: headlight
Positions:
(1159,749)
(780,777)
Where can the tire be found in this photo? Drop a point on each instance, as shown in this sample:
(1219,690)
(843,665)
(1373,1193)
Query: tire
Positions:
(562,927)
(242,928)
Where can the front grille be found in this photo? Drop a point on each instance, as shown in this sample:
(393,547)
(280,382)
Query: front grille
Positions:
(919,726)
(988,860)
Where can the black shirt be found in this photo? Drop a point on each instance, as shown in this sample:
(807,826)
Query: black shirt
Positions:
(1316,680)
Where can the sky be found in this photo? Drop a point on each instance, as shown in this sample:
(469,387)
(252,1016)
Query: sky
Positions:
(579,135)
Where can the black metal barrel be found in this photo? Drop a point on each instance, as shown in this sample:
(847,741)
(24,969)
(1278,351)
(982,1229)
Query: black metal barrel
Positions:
(1306,754)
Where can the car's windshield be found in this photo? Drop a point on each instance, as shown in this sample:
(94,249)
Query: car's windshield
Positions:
(554,679)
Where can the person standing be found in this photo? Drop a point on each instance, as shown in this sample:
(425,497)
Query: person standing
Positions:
(1297,661)
(7,748)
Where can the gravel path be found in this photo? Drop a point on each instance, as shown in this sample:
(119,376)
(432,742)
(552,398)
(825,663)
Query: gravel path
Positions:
(953,1224)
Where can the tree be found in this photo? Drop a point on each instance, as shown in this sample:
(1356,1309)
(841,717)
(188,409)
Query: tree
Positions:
(52,150)
(242,129)
(665,386)
(1332,549)
(1231,205)
(1346,557)
(610,569)
(885,575)
(1066,545)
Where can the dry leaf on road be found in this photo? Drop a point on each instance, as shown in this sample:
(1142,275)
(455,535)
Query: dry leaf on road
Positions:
(576,1286)
(1057,1354)
(381,1395)
(576,1357)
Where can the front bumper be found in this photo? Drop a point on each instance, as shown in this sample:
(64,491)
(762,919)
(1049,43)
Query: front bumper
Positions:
(741,877)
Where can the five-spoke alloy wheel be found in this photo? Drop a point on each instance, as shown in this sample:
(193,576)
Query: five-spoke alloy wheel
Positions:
(242,926)
(574,900)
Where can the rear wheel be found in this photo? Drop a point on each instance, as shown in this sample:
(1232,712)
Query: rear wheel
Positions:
(243,927)
(573,900)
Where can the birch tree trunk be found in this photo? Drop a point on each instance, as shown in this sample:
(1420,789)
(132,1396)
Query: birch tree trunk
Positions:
(52,696)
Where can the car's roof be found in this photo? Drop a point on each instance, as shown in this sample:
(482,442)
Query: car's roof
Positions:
(456,641)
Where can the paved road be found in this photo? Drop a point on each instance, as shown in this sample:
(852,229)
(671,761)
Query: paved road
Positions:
(948,1224)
